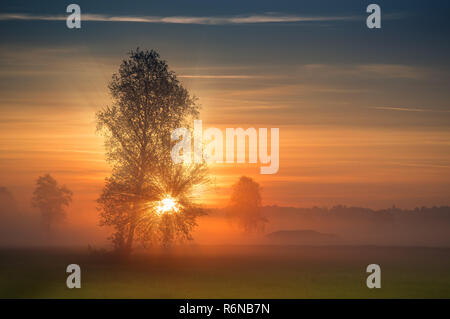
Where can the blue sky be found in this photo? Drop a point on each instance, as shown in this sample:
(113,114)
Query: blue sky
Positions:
(413,31)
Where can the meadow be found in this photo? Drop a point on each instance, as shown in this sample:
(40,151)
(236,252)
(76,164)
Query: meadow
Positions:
(229,272)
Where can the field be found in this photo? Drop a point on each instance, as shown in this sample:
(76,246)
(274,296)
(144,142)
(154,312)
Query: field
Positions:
(229,272)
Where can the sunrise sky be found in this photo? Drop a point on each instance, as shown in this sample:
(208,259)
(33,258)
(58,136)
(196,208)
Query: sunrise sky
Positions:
(363,114)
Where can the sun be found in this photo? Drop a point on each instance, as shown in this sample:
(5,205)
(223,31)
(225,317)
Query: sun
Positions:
(166,205)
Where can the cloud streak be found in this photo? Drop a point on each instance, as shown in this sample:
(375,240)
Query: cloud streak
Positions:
(231,77)
(408,109)
(213,20)
(401,109)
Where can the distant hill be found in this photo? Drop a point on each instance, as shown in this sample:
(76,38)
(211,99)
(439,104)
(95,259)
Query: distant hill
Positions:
(302,237)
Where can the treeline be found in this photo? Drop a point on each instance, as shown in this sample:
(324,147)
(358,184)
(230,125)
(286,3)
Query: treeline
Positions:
(393,226)
(342,211)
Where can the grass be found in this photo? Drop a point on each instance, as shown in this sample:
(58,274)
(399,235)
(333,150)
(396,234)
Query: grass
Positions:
(230,272)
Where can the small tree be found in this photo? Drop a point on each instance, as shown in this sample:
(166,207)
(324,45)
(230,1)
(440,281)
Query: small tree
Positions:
(8,205)
(51,200)
(245,205)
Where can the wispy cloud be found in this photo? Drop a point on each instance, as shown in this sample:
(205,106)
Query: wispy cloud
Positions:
(407,109)
(402,109)
(211,20)
(392,71)
(231,77)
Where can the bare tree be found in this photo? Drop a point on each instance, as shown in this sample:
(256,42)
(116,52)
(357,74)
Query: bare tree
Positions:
(148,104)
(51,200)
(245,205)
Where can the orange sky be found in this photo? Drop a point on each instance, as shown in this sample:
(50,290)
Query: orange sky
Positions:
(341,141)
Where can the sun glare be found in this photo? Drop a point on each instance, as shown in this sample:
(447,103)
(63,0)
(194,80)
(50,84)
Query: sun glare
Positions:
(166,205)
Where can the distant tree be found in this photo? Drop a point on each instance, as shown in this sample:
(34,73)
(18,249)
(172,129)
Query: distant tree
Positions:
(245,205)
(51,200)
(7,202)
(148,104)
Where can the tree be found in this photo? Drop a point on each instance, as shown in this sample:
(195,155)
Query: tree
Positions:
(245,205)
(148,104)
(51,200)
(8,205)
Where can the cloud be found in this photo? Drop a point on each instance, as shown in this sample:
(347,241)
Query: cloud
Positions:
(231,77)
(392,71)
(404,109)
(212,20)
(407,109)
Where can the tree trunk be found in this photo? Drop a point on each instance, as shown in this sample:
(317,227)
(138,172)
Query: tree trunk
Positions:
(134,217)
(130,238)
(129,242)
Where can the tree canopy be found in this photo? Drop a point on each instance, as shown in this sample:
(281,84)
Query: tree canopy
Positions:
(51,200)
(245,205)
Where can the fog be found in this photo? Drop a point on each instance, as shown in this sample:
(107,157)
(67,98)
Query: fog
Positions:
(20,226)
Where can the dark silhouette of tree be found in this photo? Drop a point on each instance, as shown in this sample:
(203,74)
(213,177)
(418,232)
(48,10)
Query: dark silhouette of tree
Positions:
(51,200)
(148,104)
(8,204)
(245,205)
